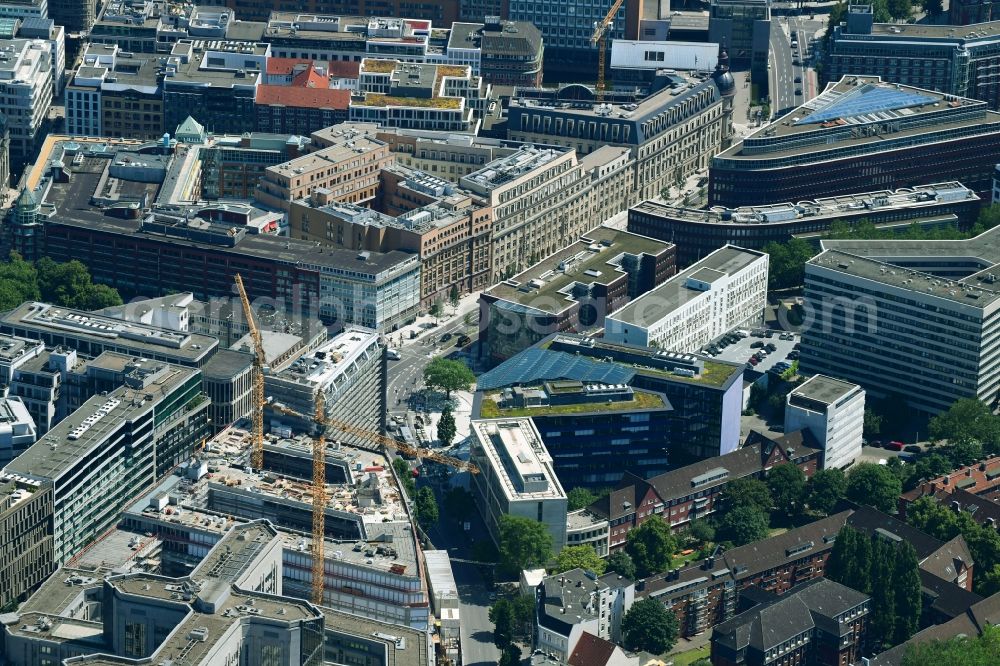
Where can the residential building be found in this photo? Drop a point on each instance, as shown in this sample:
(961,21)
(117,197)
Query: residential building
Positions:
(670,134)
(447,155)
(26,83)
(45,28)
(651,409)
(947,59)
(143,440)
(968,12)
(571,291)
(419,96)
(17,429)
(516,477)
(578,602)
(439,11)
(979,479)
(819,622)
(915,318)
(693,491)
(233,167)
(304,104)
(593,651)
(725,290)
(348,370)
(833,145)
(698,232)
(446,227)
(77,16)
(833,411)
(25,536)
(744,27)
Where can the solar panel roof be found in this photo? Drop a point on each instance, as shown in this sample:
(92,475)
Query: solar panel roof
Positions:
(538,365)
(867,99)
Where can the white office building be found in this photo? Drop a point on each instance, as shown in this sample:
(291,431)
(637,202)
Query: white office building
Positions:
(516,477)
(725,290)
(912,319)
(833,411)
(25,92)
(17,429)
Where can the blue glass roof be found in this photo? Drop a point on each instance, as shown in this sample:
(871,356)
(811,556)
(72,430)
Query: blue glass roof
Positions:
(866,99)
(538,365)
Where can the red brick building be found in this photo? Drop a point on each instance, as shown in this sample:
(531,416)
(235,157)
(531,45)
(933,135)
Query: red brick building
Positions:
(982,478)
(303,106)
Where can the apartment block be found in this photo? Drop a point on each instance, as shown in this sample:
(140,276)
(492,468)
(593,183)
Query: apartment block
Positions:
(25,536)
(571,290)
(833,145)
(725,290)
(115,445)
(909,319)
(699,232)
(26,83)
(17,429)
(670,134)
(944,58)
(47,29)
(833,411)
(516,477)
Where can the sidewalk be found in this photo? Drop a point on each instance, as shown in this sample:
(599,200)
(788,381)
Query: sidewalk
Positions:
(449,317)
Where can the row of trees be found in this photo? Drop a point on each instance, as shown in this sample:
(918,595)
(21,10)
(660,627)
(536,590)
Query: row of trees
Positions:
(967,651)
(889,573)
(512,619)
(66,284)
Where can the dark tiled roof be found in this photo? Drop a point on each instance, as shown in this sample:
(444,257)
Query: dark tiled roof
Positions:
(754,558)
(868,520)
(945,562)
(946,598)
(591,651)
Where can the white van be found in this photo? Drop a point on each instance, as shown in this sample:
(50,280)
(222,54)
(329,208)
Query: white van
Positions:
(392,354)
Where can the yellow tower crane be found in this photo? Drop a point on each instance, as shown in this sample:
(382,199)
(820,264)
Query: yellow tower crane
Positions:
(388,442)
(319,505)
(257,412)
(601,29)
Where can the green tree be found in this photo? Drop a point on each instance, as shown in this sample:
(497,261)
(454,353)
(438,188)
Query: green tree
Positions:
(990,582)
(786,262)
(448,375)
(69,284)
(651,546)
(743,525)
(883,593)
(621,563)
(446,427)
(579,498)
(458,504)
(968,419)
(435,309)
(524,613)
(426,508)
(405,475)
(453,296)
(850,560)
(18,282)
(510,656)
(874,485)
(701,531)
(872,424)
(787,484)
(524,543)
(649,626)
(899,9)
(579,557)
(98,297)
(747,491)
(502,616)
(933,7)
(964,650)
(989,217)
(908,597)
(825,489)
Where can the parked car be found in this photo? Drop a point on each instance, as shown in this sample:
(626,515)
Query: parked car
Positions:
(756,344)
(753,360)
(793,355)
(743,333)
(392,354)
(912,448)
(760,355)
(463,340)
(771,347)
(895,446)
(768,333)
(446,337)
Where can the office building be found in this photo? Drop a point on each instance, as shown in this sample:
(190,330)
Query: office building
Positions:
(647,66)
(833,411)
(670,134)
(24,9)
(724,291)
(448,156)
(578,602)
(17,429)
(348,370)
(511,52)
(699,232)
(744,26)
(909,319)
(77,16)
(46,28)
(858,133)
(141,436)
(25,536)
(112,94)
(516,477)
(570,291)
(693,491)
(15,352)
(26,80)
(445,98)
(447,228)
(232,167)
(439,11)
(604,409)
(945,58)
(306,103)
(818,622)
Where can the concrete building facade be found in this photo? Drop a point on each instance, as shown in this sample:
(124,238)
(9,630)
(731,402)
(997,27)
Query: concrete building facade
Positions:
(834,412)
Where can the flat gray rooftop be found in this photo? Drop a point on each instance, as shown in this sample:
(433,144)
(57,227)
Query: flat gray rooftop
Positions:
(658,303)
(824,389)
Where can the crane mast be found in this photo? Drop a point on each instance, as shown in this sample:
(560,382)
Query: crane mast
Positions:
(257,412)
(599,38)
(319,504)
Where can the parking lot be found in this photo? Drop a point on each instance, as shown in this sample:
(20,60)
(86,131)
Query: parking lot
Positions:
(741,350)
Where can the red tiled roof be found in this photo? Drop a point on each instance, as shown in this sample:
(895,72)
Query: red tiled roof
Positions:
(591,651)
(311,98)
(310,78)
(284,65)
(344,70)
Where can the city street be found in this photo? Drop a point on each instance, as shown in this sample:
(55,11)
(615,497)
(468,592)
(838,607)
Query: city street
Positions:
(784,71)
